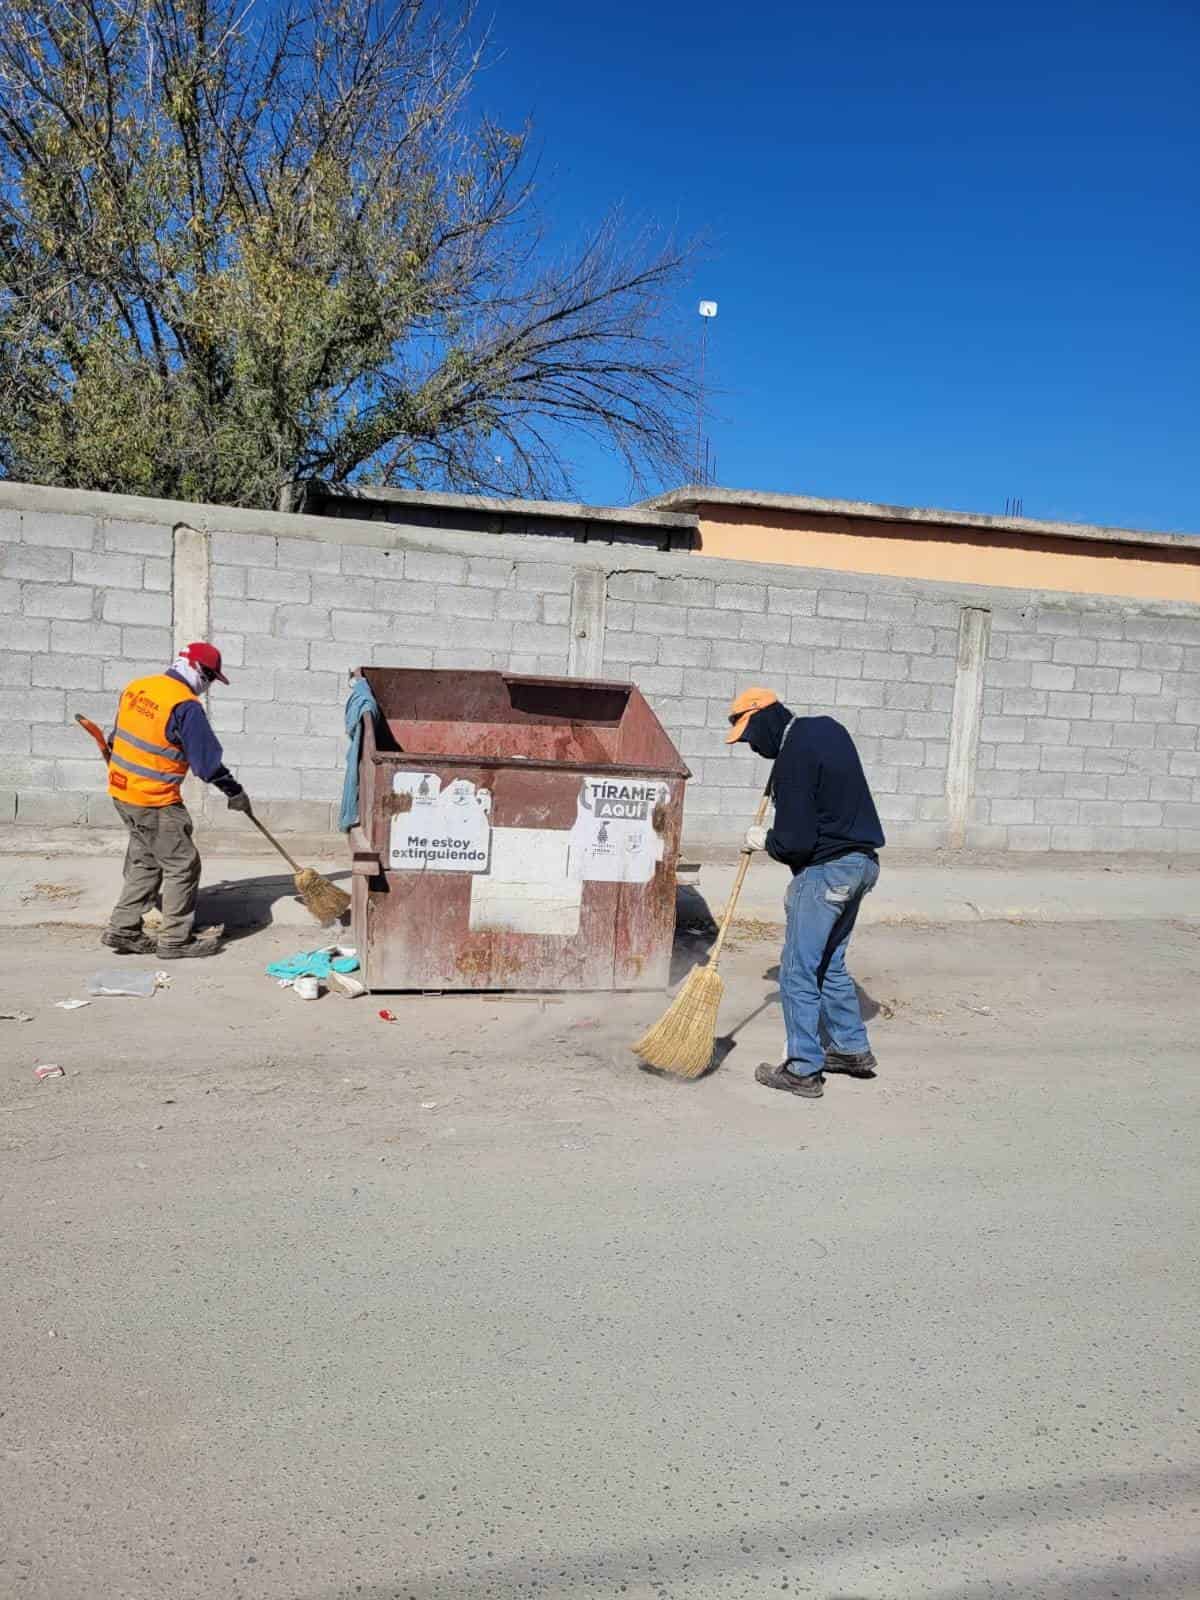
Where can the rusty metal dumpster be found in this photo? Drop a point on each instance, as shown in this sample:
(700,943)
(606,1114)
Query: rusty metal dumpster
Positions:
(515,833)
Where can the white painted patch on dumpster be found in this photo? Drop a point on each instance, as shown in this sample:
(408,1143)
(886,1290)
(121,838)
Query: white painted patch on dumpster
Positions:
(613,840)
(528,888)
(445,830)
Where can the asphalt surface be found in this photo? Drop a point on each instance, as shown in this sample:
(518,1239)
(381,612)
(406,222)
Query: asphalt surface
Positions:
(300,1305)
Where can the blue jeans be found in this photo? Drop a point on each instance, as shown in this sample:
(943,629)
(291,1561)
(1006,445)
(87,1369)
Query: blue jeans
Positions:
(814,986)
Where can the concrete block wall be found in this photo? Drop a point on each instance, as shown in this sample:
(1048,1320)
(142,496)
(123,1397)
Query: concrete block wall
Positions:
(991,718)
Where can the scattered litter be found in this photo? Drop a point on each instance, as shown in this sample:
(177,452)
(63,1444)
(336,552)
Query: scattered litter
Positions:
(388,1016)
(140,984)
(429,1105)
(313,964)
(71,1005)
(342,983)
(48,1070)
(307,988)
(60,892)
(16,1016)
(152,920)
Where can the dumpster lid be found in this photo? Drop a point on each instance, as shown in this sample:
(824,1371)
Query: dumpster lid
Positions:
(500,717)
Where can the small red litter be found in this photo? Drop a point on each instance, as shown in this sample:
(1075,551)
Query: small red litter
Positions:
(388,1016)
(48,1071)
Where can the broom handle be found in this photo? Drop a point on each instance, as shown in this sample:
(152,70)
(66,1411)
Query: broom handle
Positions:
(747,855)
(295,866)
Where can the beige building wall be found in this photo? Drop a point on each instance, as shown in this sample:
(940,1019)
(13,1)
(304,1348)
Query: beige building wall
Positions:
(949,553)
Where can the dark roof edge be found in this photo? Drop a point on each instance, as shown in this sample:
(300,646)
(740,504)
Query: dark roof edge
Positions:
(639,516)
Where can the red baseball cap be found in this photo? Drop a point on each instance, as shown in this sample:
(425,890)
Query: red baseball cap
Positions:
(206,656)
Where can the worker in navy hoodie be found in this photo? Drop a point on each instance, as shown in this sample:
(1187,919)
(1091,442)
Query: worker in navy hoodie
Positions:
(826,829)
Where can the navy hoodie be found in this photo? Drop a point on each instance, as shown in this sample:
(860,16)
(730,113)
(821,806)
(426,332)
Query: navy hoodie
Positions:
(823,806)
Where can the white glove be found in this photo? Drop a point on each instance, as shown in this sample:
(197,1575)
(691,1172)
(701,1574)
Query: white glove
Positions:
(756,839)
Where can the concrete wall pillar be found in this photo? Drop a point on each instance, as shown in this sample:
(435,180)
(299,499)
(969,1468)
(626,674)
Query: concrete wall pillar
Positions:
(966,715)
(589,599)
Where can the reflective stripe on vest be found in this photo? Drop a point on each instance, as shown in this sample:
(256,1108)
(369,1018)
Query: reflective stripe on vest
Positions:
(145,769)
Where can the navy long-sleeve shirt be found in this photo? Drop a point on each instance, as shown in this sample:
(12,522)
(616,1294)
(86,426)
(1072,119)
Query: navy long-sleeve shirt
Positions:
(823,805)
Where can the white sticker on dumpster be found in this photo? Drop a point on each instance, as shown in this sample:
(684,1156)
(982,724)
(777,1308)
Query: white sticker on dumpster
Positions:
(444,829)
(528,889)
(614,840)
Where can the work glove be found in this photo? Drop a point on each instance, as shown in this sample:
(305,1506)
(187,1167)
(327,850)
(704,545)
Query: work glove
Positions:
(756,839)
(240,802)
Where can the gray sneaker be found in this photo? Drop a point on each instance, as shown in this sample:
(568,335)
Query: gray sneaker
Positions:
(850,1065)
(810,1087)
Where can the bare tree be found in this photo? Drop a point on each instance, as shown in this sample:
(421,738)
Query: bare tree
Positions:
(242,247)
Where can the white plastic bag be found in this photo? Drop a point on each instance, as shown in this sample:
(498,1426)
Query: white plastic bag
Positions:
(141,984)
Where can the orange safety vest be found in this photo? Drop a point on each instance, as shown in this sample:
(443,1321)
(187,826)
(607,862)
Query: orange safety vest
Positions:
(144,769)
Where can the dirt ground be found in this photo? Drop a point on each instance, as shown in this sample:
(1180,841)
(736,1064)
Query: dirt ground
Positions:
(304,1305)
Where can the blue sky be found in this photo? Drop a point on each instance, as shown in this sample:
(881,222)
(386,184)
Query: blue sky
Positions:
(956,248)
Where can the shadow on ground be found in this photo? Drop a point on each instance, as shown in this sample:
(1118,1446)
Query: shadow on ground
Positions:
(247,905)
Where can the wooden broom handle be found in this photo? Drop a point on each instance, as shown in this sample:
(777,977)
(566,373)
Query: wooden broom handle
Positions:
(295,866)
(747,856)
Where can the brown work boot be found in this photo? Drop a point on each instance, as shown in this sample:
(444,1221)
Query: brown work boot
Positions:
(849,1064)
(809,1087)
(127,944)
(194,947)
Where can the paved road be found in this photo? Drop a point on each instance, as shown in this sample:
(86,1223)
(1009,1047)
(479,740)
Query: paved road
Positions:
(304,1307)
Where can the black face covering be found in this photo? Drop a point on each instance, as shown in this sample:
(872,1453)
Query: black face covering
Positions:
(765,730)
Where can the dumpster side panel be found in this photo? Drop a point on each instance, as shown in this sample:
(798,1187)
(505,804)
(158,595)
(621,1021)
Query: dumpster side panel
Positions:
(645,928)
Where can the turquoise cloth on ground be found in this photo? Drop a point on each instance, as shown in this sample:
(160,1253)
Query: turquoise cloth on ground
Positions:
(362,703)
(316,964)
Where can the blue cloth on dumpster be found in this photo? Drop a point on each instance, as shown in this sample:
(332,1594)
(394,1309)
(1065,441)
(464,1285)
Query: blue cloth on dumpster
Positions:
(314,964)
(362,703)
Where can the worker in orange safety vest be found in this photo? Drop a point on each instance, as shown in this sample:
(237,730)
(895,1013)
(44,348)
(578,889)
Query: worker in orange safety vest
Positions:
(162,732)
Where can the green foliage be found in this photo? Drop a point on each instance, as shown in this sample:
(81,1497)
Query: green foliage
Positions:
(239,250)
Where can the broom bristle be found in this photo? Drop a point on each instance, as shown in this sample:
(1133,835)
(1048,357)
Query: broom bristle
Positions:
(682,1040)
(324,900)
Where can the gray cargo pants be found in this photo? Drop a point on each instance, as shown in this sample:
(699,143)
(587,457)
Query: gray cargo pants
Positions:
(160,855)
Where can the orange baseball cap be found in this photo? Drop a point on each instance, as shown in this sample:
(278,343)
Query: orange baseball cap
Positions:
(744,707)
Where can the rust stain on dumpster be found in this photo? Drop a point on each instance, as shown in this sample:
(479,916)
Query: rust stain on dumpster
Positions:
(526,829)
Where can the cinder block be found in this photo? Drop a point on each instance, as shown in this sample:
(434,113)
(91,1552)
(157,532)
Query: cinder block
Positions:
(649,618)
(226,716)
(1009,621)
(156,575)
(329,721)
(926,725)
(1029,838)
(1179,815)
(84,638)
(146,643)
(311,555)
(78,776)
(1062,624)
(982,836)
(899,696)
(464,660)
(1043,785)
(712,684)
(885,666)
(1090,680)
(322,785)
(618,614)
(866,636)
(1011,812)
(514,605)
(740,597)
(460,602)
(1156,708)
(556,608)
(1085,786)
(1164,657)
(688,591)
(341,657)
(887,724)
(119,671)
(1111,762)
(1095,734)
(242,616)
(66,672)
(244,549)
(1112,708)
(107,570)
(233,649)
(819,632)
(54,530)
(16,668)
(1144,814)
(1016,757)
(1003,730)
(1014,674)
(858,692)
(913,640)
(656,680)
(1116,654)
(903,752)
(1171,736)
(882,777)
(931,669)
(642,586)
(370,562)
(57,600)
(45,808)
(922,780)
(270,717)
(545,577)
(891,608)
(1071,705)
(769,630)
(413,599)
(137,607)
(1049,675)
(932,808)
(1024,702)
(1100,813)
(792,602)
(307,751)
(744,655)
(1076,652)
(547,641)
(269,783)
(1155,762)
(137,538)
(278,585)
(489,572)
(896,807)
(676,652)
(998,785)
(298,816)
(683,713)
(714,625)
(1101,625)
(1129,786)
(839,663)
(229,582)
(1185,763)
(842,603)
(1138,682)
(32,563)
(632,647)
(1028,646)
(260,650)
(17,738)
(302,622)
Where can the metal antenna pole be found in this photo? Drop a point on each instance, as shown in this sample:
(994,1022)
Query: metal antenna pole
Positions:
(708,310)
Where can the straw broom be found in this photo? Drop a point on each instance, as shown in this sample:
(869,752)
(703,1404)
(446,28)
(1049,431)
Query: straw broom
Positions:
(683,1039)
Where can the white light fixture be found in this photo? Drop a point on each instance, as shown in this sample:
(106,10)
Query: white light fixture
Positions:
(708,308)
